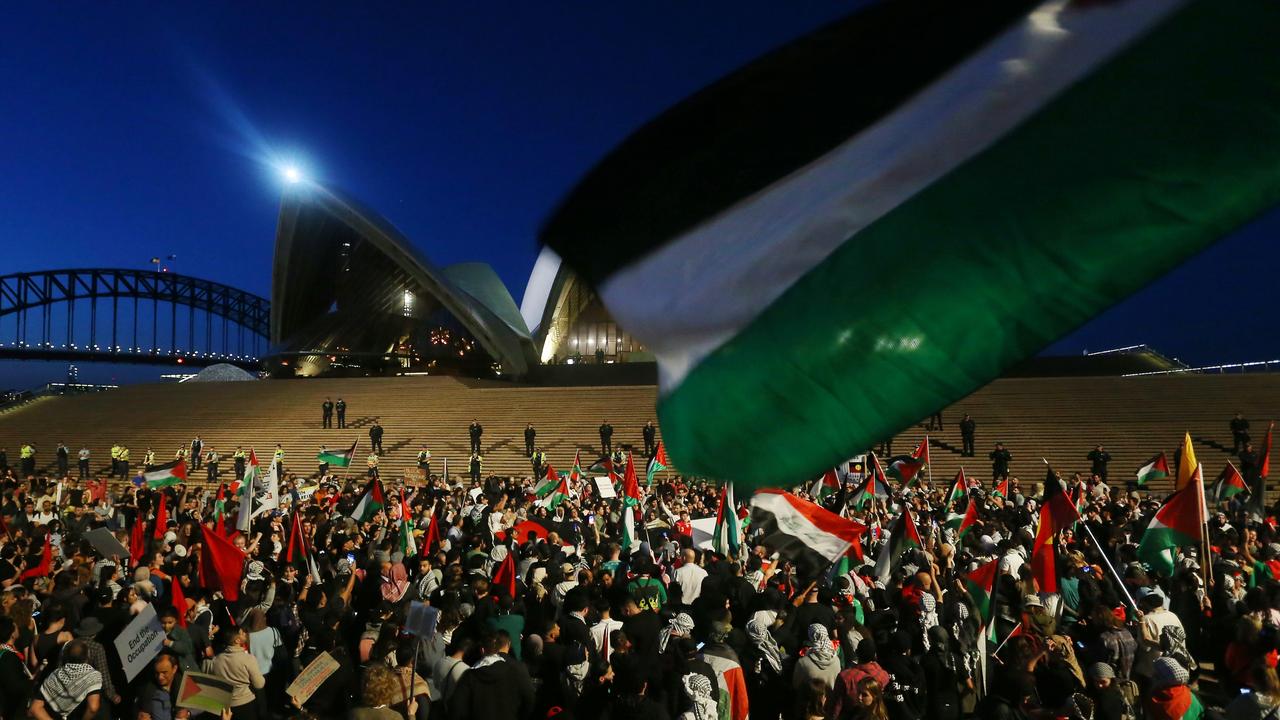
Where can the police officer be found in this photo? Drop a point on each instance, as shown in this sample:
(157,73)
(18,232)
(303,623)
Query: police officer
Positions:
(238,461)
(1099,457)
(1239,432)
(650,434)
(476,464)
(115,459)
(326,411)
(475,431)
(124,462)
(64,459)
(539,462)
(424,462)
(375,437)
(967,427)
(211,462)
(1000,459)
(341,408)
(372,461)
(530,436)
(278,459)
(149,460)
(606,437)
(181,454)
(83,456)
(197,450)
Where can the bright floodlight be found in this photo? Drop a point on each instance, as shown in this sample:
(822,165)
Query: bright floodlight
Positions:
(291,174)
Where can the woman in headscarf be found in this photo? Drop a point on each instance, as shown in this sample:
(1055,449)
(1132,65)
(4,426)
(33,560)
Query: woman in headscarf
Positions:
(817,661)
(395,583)
(1169,697)
(941,677)
(701,694)
(766,686)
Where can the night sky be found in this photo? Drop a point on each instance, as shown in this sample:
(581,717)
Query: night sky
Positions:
(130,132)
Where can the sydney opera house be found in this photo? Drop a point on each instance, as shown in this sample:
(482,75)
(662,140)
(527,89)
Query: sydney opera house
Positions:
(351,295)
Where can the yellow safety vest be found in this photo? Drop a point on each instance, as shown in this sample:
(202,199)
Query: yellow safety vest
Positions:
(424,456)
(124,454)
(373,461)
(150,458)
(115,452)
(26,452)
(238,455)
(279,456)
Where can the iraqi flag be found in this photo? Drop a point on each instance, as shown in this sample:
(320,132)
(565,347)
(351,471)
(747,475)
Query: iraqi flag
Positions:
(370,503)
(338,458)
(166,475)
(1176,524)
(802,531)
(775,188)
(1230,483)
(903,537)
(727,537)
(1157,468)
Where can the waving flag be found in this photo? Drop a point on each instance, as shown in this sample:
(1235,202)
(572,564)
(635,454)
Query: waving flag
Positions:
(1176,524)
(221,565)
(978,132)
(556,494)
(298,551)
(959,489)
(825,486)
(339,458)
(903,537)
(1002,490)
(162,516)
(1157,468)
(980,583)
(165,475)
(1187,463)
(370,503)
(630,485)
(1058,513)
(969,520)
(802,531)
(575,474)
(408,548)
(657,463)
(1230,483)
(728,533)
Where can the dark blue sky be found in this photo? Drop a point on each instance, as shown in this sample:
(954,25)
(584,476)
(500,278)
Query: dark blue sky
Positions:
(130,132)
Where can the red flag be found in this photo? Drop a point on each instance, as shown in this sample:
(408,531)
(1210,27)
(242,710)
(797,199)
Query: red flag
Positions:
(179,600)
(221,565)
(46,561)
(1264,468)
(138,540)
(432,537)
(162,515)
(921,452)
(1057,514)
(505,577)
(630,484)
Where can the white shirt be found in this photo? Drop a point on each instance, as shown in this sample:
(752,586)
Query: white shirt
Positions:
(690,578)
(600,633)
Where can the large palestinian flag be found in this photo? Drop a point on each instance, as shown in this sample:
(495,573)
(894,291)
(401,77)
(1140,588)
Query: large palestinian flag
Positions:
(802,531)
(1176,524)
(166,475)
(1098,143)
(370,503)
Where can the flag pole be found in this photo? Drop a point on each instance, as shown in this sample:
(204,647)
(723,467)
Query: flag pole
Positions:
(929,456)
(1203,510)
(1107,560)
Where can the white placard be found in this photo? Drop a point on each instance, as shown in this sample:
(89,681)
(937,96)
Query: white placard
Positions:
(140,641)
(605,487)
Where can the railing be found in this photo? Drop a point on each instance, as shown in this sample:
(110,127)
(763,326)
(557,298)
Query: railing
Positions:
(1256,366)
(18,399)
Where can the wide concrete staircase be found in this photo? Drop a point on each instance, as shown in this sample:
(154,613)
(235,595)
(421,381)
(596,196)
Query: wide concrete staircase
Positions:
(1059,419)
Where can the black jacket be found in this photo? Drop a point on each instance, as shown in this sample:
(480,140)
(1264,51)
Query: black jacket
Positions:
(476,430)
(498,690)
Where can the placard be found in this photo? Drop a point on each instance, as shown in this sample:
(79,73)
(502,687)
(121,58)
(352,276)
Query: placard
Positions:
(106,544)
(312,677)
(422,619)
(604,486)
(200,691)
(140,642)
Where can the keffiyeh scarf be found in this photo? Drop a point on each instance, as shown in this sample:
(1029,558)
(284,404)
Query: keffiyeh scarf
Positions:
(680,626)
(820,649)
(766,647)
(69,685)
(699,690)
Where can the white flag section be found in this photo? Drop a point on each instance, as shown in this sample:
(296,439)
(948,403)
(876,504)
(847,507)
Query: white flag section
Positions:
(704,532)
(140,641)
(258,496)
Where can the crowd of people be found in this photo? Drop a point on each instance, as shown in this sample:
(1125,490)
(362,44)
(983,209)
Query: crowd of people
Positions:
(545,603)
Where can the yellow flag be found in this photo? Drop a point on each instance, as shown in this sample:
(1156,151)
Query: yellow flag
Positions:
(1187,464)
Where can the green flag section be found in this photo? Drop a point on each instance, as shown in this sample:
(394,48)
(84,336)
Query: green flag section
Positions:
(980,584)
(370,503)
(198,691)
(776,186)
(408,546)
(825,486)
(166,475)
(1230,483)
(902,537)
(556,494)
(727,537)
(338,458)
(1175,525)
(1002,490)
(1157,468)
(657,463)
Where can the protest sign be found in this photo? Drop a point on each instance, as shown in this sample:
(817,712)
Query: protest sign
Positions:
(605,487)
(199,691)
(311,677)
(106,544)
(140,641)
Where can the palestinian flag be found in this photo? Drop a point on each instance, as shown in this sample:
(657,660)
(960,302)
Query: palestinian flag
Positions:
(408,548)
(903,537)
(338,458)
(550,480)
(775,187)
(252,471)
(166,475)
(1230,483)
(874,485)
(200,691)
(827,485)
(1176,524)
(372,501)
(575,474)
(727,537)
(1157,468)
(959,489)
(556,495)
(1002,490)
(602,466)
(657,463)
(905,468)
(731,688)
(1056,514)
(630,484)
(802,531)
(298,551)
(980,584)
(628,541)
(1187,463)
(968,520)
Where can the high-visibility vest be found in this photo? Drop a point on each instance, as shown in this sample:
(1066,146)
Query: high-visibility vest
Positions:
(238,455)
(26,452)
(540,458)
(279,456)
(124,454)
(211,456)
(373,460)
(115,452)
(181,454)
(150,458)
(424,456)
